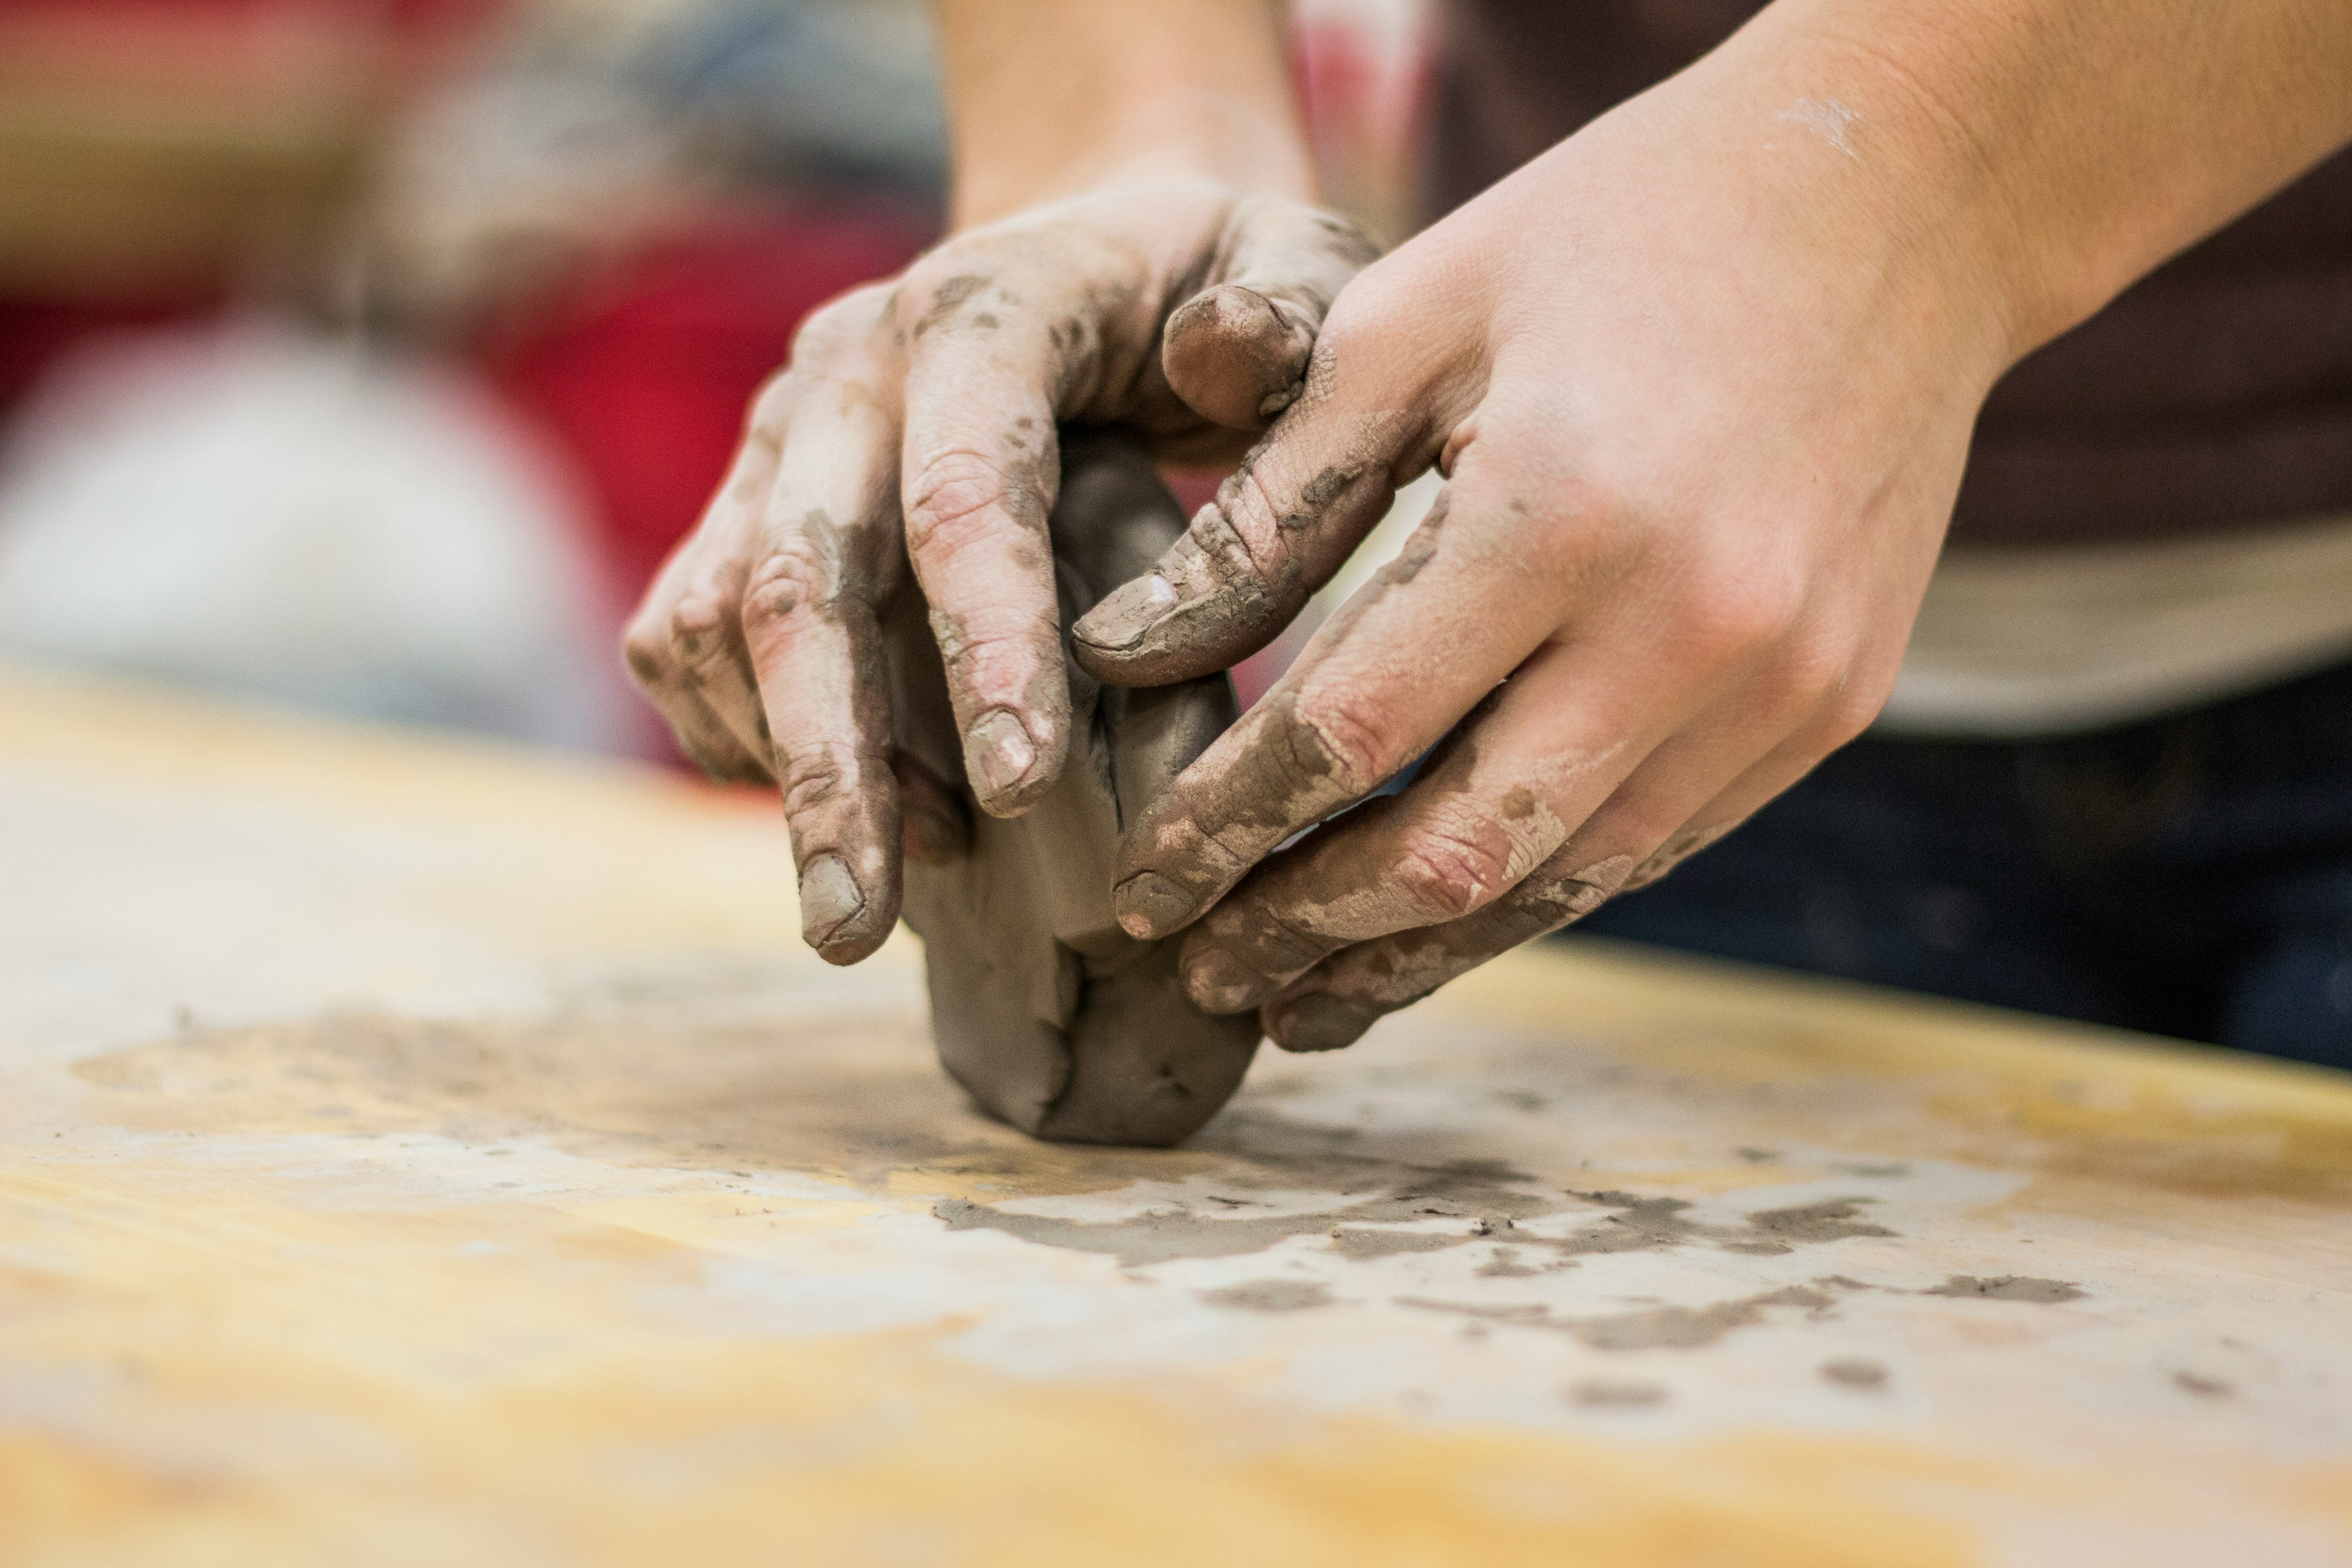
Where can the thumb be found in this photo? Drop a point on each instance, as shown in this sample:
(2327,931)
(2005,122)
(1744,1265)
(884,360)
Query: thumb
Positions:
(1237,351)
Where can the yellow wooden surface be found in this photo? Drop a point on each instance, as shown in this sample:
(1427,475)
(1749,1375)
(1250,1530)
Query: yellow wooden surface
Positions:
(416,1153)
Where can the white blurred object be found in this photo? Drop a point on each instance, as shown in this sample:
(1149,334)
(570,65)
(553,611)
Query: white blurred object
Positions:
(253,511)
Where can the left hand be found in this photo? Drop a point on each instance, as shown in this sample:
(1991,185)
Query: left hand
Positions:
(1702,380)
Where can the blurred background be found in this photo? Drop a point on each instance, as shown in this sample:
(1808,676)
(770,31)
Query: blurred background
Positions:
(368,355)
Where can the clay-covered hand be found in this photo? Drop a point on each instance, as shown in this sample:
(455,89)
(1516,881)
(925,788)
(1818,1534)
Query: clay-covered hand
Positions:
(1702,387)
(1052,1016)
(917,423)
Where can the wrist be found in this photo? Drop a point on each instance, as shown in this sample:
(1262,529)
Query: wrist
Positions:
(1050,98)
(1175,135)
(1843,150)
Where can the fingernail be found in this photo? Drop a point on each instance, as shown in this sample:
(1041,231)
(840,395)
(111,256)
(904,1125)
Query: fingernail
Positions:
(1121,620)
(830,898)
(1148,905)
(1219,982)
(998,749)
(1319,1021)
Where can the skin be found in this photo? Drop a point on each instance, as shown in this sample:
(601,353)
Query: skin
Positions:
(1701,380)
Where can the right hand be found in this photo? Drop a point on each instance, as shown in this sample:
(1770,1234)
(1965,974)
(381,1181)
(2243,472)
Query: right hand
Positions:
(935,399)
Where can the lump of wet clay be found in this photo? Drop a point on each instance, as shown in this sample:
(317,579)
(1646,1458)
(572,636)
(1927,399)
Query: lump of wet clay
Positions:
(1049,1014)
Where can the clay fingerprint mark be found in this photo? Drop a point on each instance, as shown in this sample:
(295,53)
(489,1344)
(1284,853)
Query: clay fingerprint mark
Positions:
(2007,1288)
(1270,1295)
(1652,1328)
(1471,1203)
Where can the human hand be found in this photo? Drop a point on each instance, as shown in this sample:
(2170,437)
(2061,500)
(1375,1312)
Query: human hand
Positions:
(1701,380)
(935,399)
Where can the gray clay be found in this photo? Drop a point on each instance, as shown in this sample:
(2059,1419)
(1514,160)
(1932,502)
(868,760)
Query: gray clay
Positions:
(1050,1015)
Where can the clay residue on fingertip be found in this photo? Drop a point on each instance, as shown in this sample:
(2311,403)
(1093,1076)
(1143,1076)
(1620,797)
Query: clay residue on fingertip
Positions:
(1120,621)
(1000,753)
(1235,356)
(830,900)
(1148,905)
(1219,982)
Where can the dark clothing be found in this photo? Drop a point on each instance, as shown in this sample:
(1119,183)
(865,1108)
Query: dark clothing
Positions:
(2191,875)
(2217,392)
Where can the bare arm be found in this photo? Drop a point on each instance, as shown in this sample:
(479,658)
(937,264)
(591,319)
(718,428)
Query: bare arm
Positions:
(1049,97)
(2077,145)
(1702,379)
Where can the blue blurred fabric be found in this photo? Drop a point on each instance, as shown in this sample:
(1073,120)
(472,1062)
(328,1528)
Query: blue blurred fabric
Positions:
(2191,875)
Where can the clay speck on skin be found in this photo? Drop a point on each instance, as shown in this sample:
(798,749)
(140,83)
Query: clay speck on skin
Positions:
(2007,1288)
(1825,118)
(948,299)
(1353,989)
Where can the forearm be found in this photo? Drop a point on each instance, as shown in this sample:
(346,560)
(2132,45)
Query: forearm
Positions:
(2072,147)
(1047,98)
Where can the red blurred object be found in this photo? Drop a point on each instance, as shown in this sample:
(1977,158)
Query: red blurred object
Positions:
(645,380)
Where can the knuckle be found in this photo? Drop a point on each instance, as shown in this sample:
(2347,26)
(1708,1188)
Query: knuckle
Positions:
(1794,682)
(646,650)
(839,325)
(995,654)
(1587,538)
(1271,937)
(1347,740)
(1732,618)
(765,414)
(1448,874)
(953,498)
(1852,708)
(793,578)
(693,630)
(810,777)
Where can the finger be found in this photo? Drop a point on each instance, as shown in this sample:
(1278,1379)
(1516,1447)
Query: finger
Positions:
(1281,525)
(1382,680)
(1236,353)
(810,623)
(683,645)
(979,470)
(1515,781)
(706,631)
(1623,846)
(1334,1004)
(645,648)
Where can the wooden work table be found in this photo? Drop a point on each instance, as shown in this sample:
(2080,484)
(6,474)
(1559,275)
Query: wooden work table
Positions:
(414,1153)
